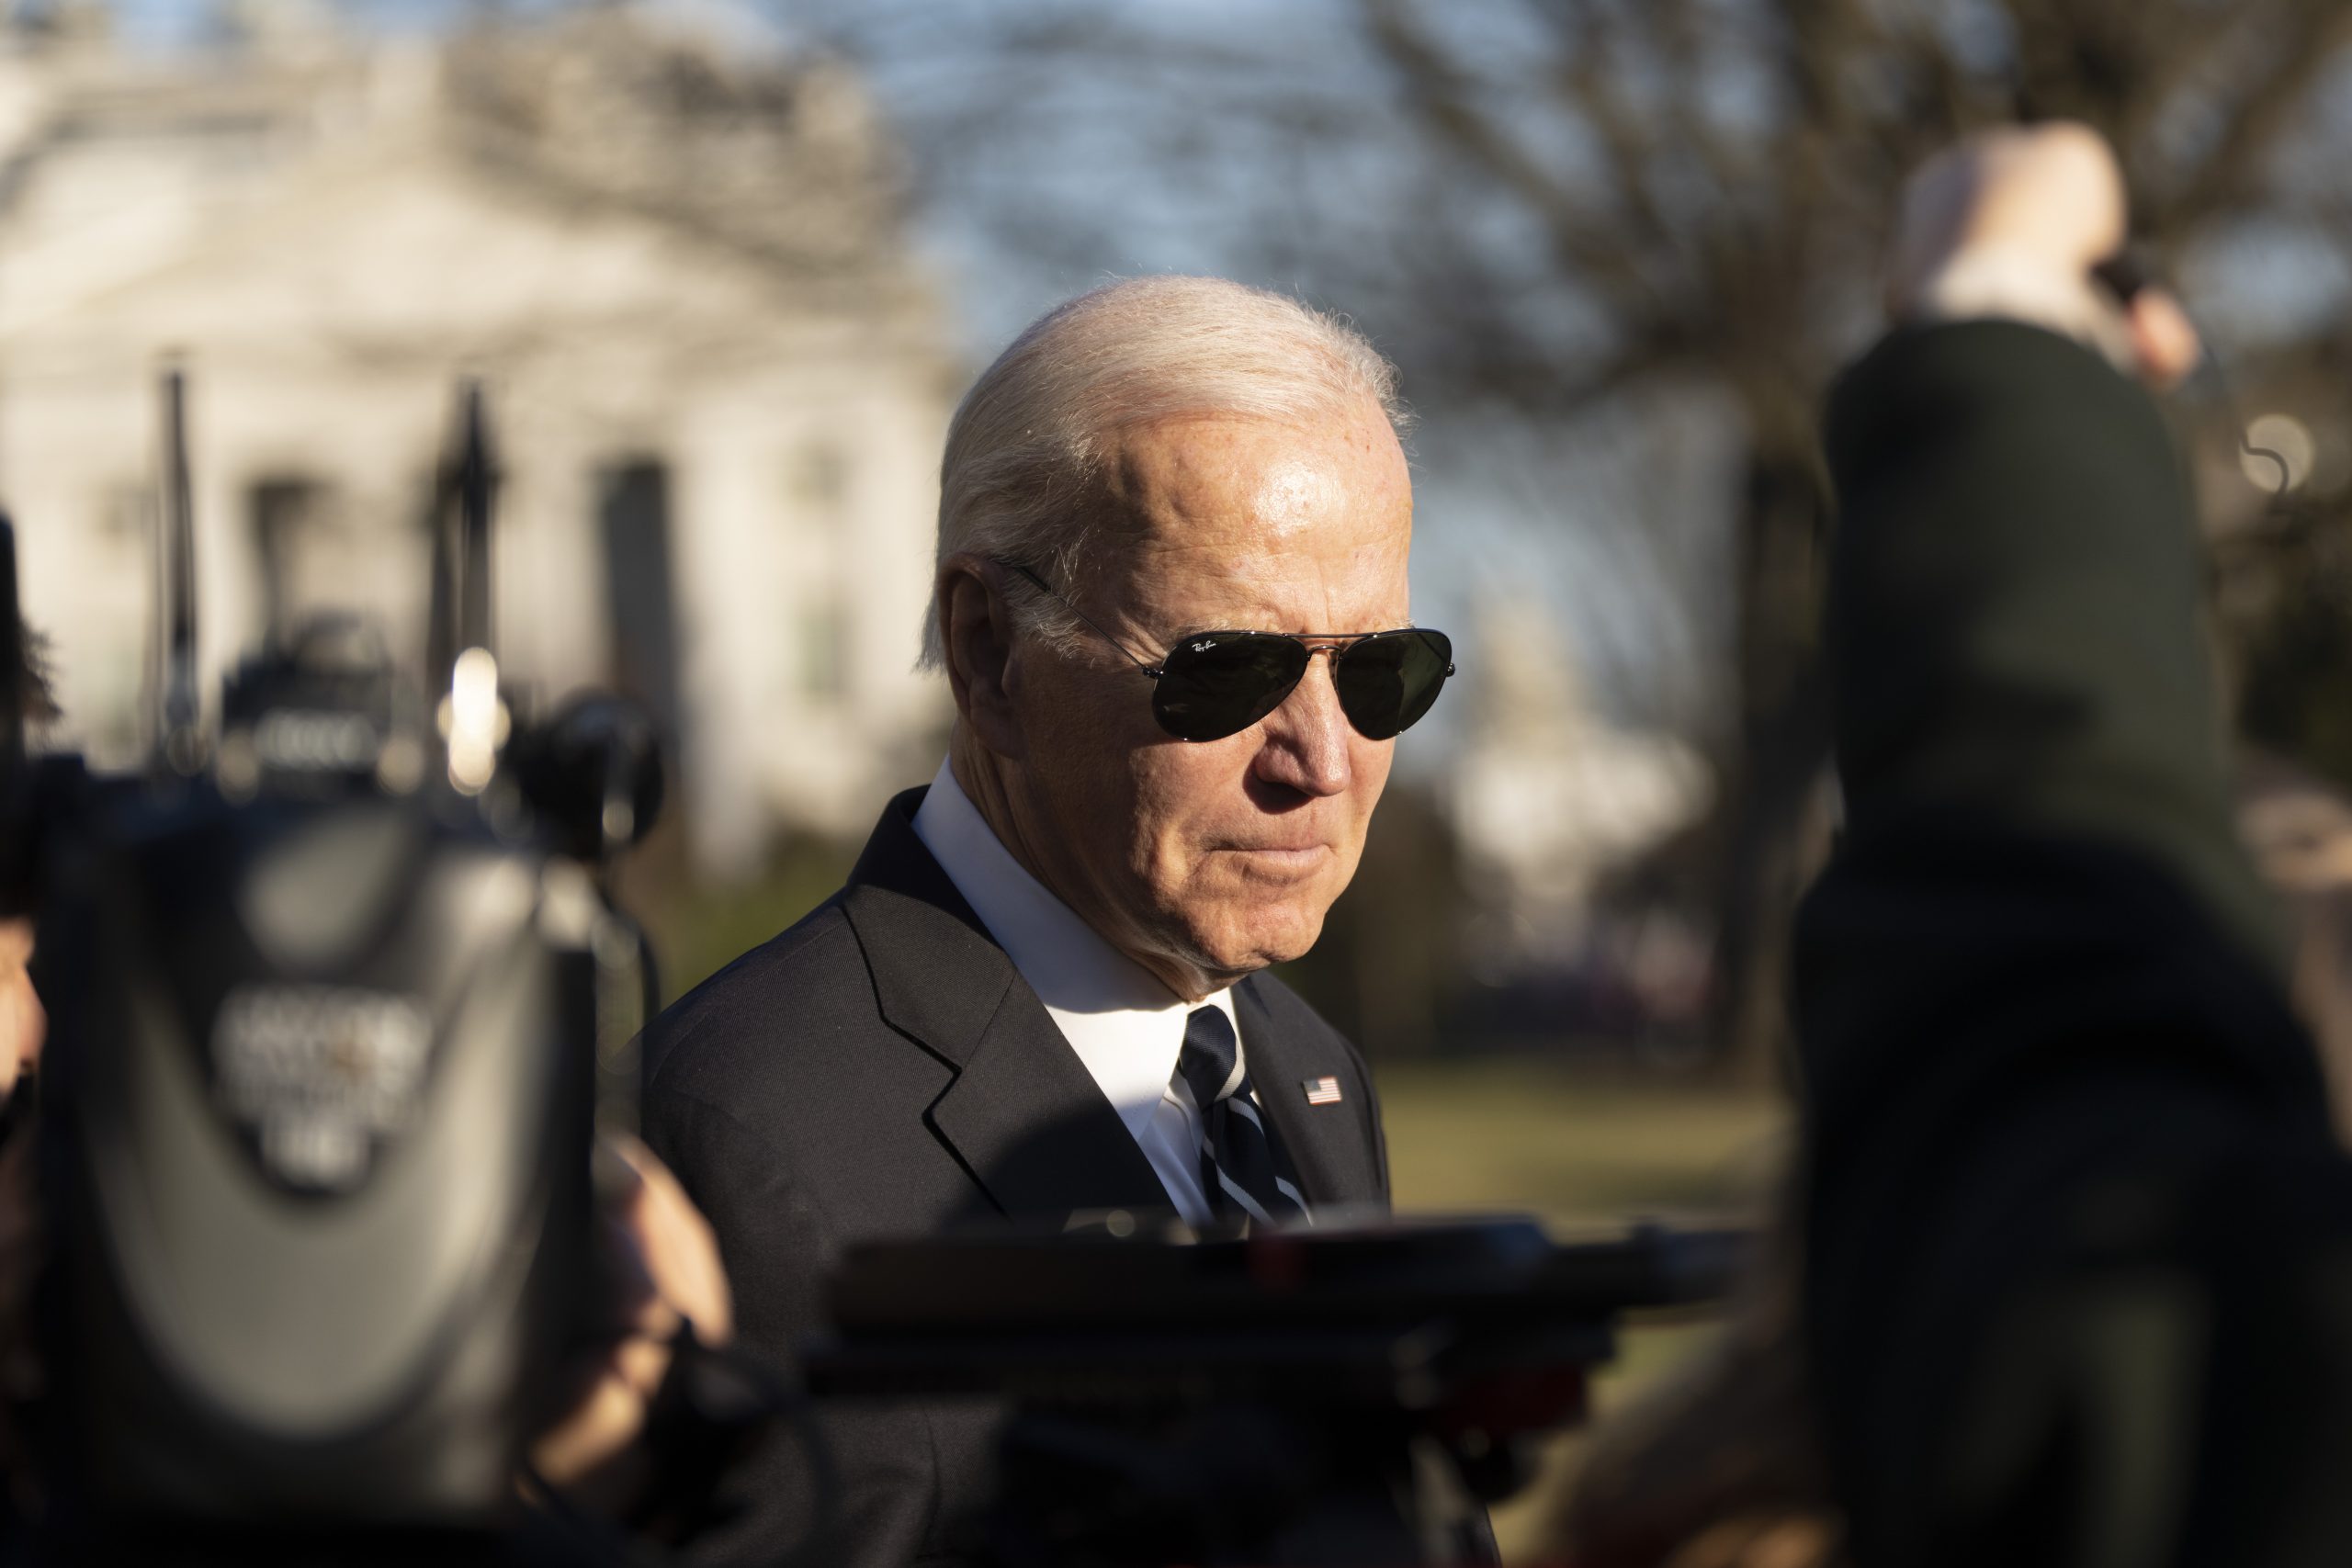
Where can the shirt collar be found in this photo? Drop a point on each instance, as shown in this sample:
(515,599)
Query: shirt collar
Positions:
(1123,1022)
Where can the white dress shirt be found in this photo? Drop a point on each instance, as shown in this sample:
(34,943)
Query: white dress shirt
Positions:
(1124,1023)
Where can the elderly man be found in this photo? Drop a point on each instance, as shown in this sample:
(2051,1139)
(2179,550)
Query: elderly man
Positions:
(1170,604)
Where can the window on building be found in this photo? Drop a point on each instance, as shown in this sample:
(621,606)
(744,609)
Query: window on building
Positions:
(824,652)
(109,718)
(127,518)
(295,550)
(820,480)
(820,484)
(640,601)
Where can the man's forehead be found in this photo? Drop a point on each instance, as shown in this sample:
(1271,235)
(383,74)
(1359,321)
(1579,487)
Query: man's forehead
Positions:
(1173,481)
(1249,524)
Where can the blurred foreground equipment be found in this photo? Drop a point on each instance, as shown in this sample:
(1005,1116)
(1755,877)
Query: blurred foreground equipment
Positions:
(1224,1399)
(318,1100)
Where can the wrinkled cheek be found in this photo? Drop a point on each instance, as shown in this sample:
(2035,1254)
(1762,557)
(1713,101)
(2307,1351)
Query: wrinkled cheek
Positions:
(1165,871)
(1214,895)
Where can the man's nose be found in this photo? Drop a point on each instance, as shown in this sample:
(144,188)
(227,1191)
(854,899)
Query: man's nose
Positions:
(1307,737)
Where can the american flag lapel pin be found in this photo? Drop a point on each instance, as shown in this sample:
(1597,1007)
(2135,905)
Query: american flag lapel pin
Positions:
(1321,1091)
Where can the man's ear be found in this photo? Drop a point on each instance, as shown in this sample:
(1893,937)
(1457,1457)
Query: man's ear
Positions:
(975,631)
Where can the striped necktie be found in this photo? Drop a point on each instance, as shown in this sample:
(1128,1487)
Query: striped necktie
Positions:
(1242,1167)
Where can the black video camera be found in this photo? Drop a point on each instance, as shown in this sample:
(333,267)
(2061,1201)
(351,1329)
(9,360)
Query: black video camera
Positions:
(317,1107)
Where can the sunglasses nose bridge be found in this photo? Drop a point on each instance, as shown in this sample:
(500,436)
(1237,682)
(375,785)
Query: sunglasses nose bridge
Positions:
(1329,707)
(1307,673)
(1327,700)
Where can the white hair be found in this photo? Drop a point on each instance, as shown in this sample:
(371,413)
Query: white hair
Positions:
(1020,477)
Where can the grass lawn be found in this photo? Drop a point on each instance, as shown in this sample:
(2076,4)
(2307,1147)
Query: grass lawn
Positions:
(1574,1148)
(1577,1150)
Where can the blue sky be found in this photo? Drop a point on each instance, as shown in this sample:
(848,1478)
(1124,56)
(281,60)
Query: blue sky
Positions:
(166,22)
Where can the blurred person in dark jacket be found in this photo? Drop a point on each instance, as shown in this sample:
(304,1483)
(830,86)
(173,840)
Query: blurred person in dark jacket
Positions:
(1170,603)
(2076,1234)
(2068,1277)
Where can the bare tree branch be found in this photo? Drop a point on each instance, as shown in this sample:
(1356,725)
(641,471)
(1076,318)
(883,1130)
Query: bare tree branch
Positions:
(1585,239)
(2309,46)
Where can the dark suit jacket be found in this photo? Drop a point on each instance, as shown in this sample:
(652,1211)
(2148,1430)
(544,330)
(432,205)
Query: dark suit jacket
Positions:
(2079,1241)
(881,1069)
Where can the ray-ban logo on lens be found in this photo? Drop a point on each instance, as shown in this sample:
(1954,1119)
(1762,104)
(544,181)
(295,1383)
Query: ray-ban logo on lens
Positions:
(1321,1091)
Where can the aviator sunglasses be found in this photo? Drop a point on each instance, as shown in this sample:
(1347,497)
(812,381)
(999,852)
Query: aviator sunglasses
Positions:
(1213,684)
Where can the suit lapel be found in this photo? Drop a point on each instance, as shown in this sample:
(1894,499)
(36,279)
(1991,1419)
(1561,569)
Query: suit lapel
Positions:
(1022,1114)
(1030,1122)
(1325,1143)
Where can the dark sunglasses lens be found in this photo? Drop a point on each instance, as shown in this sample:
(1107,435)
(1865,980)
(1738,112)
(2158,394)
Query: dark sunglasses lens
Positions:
(1215,686)
(1386,683)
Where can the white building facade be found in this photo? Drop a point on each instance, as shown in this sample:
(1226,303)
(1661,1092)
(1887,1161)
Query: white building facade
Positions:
(717,381)
(1549,798)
